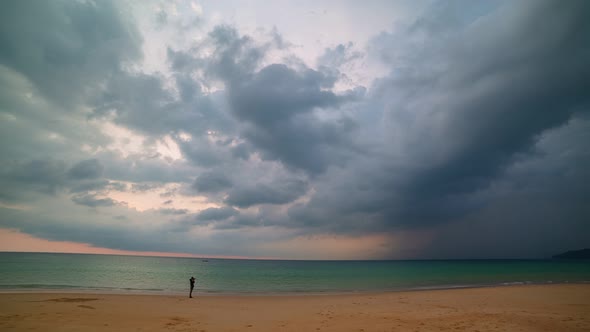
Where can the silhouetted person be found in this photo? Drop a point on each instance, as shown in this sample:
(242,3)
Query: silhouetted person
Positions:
(192,280)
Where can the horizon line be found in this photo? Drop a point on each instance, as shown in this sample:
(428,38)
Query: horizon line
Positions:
(229,257)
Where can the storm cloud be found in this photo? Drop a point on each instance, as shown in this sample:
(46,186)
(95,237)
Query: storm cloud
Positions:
(459,130)
(86,169)
(66,48)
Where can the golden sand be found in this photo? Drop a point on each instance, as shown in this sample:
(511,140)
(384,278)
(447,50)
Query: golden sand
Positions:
(516,308)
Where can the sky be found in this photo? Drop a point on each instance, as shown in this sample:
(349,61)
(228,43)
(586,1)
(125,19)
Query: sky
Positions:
(295,129)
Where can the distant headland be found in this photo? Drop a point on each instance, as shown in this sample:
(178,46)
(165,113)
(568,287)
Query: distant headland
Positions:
(577,254)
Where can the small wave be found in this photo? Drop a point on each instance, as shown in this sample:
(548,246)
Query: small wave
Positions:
(515,283)
(75,287)
(38,286)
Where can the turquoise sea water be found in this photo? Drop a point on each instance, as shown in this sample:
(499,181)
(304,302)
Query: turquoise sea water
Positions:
(43,271)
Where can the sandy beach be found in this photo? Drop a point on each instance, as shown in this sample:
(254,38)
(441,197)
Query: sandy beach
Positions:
(515,308)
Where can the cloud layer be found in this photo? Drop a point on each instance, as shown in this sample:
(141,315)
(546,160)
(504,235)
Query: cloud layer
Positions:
(459,132)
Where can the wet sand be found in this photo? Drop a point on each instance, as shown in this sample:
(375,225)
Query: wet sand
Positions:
(514,308)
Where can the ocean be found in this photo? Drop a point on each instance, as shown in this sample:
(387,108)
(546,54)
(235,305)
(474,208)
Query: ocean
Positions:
(168,275)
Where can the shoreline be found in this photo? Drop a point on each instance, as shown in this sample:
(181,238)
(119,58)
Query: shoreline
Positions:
(276,293)
(564,307)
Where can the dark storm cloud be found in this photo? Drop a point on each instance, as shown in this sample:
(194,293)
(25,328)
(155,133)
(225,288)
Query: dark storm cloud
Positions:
(22,179)
(240,221)
(479,127)
(53,57)
(188,88)
(276,105)
(86,169)
(145,171)
(118,235)
(122,233)
(50,177)
(72,57)
(125,96)
(175,105)
(162,113)
(278,102)
(536,208)
(169,211)
(93,201)
(212,182)
(278,192)
(245,183)
(181,61)
(471,104)
(205,153)
(217,214)
(235,56)
(492,99)
(46,175)
(306,142)
(277,93)
(65,47)
(182,109)
(228,218)
(93,185)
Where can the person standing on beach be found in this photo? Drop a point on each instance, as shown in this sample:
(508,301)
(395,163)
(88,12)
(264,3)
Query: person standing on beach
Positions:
(192,280)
